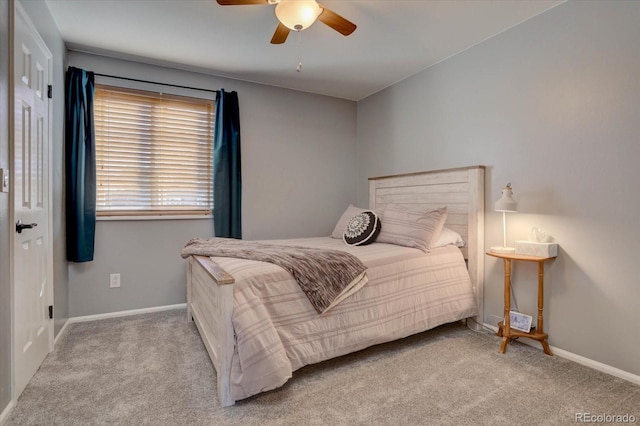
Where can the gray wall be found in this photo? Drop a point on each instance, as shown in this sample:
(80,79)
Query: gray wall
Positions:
(553,106)
(5,288)
(298,157)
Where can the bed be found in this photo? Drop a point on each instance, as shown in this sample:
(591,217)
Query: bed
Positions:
(258,328)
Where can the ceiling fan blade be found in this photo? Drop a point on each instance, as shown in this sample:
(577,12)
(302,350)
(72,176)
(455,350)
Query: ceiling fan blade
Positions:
(337,22)
(240,2)
(281,34)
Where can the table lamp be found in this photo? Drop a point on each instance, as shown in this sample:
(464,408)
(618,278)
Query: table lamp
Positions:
(505,204)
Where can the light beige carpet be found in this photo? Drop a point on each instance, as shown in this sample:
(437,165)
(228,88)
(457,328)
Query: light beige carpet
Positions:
(152,369)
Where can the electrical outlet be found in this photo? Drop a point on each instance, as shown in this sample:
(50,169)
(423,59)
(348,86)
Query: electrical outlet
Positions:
(114,281)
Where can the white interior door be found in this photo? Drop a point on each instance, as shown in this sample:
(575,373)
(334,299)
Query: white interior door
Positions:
(32,250)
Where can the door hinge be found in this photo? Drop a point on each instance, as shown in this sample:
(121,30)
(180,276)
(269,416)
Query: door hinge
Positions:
(50,311)
(50,92)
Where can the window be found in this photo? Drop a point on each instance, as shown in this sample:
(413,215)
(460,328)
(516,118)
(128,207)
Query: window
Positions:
(154,153)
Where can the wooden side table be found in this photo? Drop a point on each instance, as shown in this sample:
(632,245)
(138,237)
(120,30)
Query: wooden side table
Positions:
(504,327)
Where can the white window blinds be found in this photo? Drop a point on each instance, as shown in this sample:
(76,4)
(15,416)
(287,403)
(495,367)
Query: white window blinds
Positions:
(153,153)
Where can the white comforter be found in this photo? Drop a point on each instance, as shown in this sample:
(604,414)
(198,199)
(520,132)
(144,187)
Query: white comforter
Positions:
(278,331)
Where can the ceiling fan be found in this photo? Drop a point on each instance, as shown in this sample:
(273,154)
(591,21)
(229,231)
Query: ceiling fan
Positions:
(297,15)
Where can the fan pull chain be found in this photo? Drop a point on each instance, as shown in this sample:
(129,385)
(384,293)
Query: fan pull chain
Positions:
(299,67)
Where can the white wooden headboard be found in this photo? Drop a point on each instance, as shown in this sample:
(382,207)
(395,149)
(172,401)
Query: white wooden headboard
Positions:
(461,190)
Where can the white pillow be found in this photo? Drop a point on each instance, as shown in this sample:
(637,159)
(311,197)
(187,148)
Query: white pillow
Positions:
(407,228)
(449,237)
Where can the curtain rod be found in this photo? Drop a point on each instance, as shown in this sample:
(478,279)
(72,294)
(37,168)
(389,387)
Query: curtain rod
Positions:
(155,82)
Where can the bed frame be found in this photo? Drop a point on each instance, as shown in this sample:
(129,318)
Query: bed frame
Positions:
(210,288)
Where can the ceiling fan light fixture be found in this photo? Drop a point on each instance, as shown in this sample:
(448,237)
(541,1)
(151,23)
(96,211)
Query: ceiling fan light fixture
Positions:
(297,14)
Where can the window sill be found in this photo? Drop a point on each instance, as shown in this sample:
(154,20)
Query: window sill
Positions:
(154,217)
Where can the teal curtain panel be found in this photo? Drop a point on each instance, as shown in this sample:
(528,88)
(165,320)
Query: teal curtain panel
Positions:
(227,176)
(80,165)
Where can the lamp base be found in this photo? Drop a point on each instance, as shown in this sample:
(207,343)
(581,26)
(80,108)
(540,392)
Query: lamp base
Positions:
(503,249)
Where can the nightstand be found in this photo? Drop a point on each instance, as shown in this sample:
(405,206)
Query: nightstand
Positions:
(504,327)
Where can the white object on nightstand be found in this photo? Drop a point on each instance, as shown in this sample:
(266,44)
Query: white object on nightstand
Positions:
(540,244)
(532,248)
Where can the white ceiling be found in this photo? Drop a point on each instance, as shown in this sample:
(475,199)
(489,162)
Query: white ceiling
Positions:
(394,38)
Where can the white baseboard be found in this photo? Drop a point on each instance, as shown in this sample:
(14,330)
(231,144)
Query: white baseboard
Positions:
(124,313)
(96,317)
(625,375)
(61,333)
(7,411)
(633,378)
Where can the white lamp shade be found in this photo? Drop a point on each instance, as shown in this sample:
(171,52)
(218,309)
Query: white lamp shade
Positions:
(297,14)
(506,203)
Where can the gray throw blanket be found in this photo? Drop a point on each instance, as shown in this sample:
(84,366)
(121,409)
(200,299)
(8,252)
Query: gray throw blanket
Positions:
(323,275)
